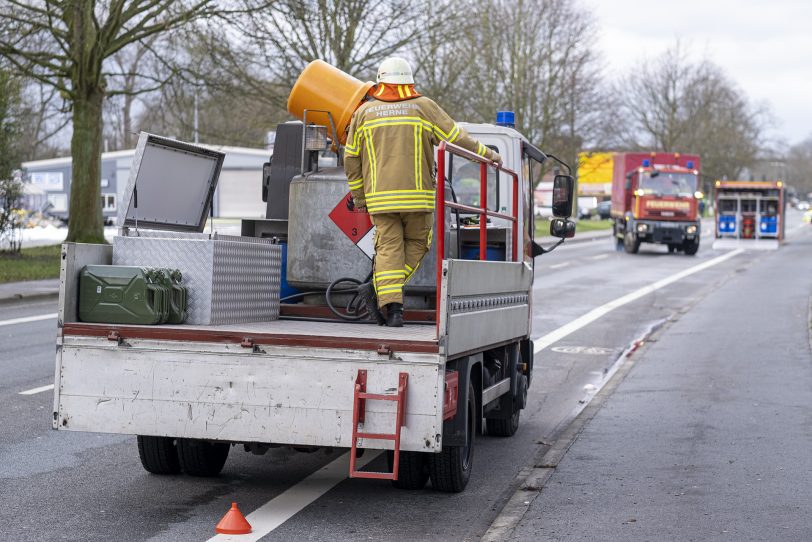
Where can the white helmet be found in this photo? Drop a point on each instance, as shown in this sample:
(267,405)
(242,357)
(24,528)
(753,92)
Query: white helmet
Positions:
(395,70)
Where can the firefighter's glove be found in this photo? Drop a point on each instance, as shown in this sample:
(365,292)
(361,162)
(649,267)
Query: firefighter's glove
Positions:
(497,159)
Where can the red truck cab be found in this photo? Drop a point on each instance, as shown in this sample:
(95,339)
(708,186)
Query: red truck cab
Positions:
(655,199)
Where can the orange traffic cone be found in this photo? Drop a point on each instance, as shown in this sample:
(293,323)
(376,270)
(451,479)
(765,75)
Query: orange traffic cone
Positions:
(233,522)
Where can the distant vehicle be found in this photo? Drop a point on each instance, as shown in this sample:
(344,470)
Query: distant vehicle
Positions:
(604,210)
(750,214)
(655,199)
(586,206)
(803,205)
(808,217)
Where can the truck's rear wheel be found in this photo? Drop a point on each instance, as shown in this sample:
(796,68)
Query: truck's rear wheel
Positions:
(503,427)
(158,455)
(450,469)
(631,243)
(413,470)
(201,457)
(691,247)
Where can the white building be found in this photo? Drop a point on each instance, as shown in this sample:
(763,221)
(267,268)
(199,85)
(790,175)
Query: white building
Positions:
(238,194)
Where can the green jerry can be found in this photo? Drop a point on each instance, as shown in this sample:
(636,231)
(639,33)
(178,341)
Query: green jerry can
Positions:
(170,279)
(117,294)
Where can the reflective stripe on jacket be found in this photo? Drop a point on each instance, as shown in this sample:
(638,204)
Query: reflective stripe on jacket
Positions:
(389,157)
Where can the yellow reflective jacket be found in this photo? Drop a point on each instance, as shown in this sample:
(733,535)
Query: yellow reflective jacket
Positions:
(389,157)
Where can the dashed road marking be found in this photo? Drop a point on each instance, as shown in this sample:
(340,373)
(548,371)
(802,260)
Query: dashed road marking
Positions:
(599,257)
(34,391)
(27,319)
(559,265)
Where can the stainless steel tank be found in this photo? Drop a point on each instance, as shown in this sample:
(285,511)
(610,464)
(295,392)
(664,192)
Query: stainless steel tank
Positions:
(319,252)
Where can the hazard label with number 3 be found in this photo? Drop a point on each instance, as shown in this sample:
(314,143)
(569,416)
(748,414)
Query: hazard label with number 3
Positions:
(354,223)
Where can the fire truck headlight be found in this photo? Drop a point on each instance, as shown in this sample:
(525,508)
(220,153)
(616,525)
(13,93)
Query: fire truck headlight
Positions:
(642,228)
(698,194)
(639,192)
(690,230)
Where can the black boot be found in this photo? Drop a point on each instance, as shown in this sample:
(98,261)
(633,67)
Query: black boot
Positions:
(394,315)
(367,294)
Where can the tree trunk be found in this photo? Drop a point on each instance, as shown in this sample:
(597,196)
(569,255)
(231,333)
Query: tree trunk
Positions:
(85,222)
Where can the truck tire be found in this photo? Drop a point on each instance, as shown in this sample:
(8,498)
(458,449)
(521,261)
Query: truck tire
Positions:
(617,240)
(631,243)
(158,455)
(201,457)
(507,427)
(503,427)
(691,247)
(413,471)
(450,469)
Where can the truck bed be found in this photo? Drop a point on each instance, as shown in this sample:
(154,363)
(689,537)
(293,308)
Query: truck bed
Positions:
(303,333)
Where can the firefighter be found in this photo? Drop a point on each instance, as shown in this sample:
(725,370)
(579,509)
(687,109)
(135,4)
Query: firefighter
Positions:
(389,161)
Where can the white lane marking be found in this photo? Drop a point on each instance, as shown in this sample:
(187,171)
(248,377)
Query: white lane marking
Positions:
(599,257)
(27,319)
(555,336)
(37,390)
(278,510)
(559,265)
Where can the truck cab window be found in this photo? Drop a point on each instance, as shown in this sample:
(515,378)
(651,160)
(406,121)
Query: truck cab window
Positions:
(465,180)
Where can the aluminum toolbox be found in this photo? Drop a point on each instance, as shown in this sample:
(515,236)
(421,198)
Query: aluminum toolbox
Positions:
(166,203)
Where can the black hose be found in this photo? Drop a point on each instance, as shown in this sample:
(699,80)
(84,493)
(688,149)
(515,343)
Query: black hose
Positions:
(352,314)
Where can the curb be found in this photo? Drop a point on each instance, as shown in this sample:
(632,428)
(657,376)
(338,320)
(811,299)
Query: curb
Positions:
(533,478)
(22,298)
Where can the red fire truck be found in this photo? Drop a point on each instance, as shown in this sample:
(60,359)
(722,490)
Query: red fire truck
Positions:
(655,199)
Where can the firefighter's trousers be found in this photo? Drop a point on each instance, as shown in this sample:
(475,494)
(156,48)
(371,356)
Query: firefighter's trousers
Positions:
(401,241)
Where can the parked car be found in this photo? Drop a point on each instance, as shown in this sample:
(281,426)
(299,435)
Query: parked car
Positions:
(604,210)
(803,205)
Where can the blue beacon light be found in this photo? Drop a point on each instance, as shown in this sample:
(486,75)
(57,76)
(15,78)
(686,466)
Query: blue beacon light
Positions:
(646,163)
(690,165)
(506,118)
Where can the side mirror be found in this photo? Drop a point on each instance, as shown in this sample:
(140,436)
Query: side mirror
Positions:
(563,195)
(562,228)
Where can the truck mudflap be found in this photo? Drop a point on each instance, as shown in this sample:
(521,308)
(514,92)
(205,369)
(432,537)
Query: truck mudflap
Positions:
(269,394)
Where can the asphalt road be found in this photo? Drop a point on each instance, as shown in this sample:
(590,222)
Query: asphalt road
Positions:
(709,437)
(74,486)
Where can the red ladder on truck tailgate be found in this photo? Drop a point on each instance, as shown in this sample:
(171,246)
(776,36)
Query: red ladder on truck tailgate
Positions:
(358,413)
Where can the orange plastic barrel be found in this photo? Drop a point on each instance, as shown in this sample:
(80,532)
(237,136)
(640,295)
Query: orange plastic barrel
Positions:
(325,87)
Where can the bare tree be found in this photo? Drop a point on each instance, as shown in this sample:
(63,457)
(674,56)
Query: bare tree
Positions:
(537,59)
(799,167)
(673,105)
(66,45)
(43,117)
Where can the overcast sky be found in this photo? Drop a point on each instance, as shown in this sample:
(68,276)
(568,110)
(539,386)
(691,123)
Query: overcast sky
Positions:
(765,46)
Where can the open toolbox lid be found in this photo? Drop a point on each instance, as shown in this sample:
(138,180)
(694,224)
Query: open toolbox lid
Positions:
(174,182)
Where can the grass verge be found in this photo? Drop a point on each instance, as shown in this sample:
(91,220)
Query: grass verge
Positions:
(593,225)
(543,226)
(33,263)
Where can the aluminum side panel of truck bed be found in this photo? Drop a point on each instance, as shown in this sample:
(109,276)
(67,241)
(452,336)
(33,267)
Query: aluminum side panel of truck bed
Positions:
(273,394)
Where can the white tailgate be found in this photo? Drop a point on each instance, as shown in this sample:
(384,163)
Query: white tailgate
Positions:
(285,395)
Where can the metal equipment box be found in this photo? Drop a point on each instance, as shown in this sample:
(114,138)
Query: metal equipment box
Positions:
(229,279)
